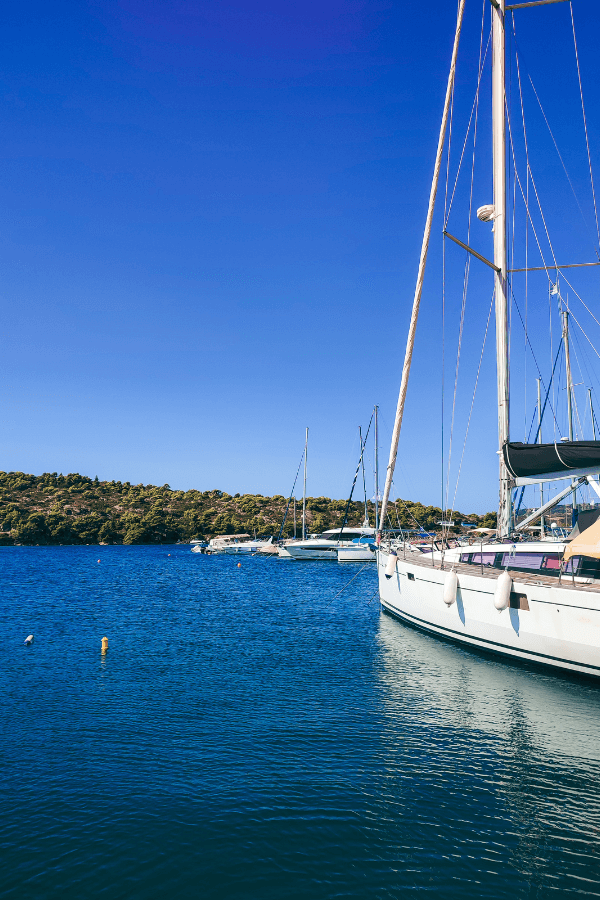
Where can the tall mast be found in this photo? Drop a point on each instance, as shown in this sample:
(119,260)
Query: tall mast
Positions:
(294,518)
(499,164)
(377,468)
(539,398)
(362,459)
(565,335)
(304,494)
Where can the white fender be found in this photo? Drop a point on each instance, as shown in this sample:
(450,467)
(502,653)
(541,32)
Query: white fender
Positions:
(502,592)
(450,588)
(391,565)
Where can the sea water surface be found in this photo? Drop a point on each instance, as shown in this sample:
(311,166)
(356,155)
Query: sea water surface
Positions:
(249,734)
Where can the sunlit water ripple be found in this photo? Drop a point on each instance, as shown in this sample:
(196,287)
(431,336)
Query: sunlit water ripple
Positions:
(250,735)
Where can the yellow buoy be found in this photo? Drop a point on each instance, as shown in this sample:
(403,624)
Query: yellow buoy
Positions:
(104,644)
(239,565)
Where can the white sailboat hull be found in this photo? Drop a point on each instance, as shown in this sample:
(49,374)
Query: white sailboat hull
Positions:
(559,629)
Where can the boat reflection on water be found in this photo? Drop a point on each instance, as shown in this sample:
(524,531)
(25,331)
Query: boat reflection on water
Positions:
(469,691)
(517,748)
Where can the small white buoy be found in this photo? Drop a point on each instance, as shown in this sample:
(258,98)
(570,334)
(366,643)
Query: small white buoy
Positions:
(391,565)
(450,588)
(502,592)
(28,640)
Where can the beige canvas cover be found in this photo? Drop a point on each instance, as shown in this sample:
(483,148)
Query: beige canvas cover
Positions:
(585,544)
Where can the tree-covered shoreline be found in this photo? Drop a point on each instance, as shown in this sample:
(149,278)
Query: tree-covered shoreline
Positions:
(74,509)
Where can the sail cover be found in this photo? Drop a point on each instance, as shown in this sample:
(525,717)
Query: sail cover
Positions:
(526,460)
(585,544)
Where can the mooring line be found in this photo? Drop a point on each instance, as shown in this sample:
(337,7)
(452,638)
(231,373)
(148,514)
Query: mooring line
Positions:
(373,595)
(362,568)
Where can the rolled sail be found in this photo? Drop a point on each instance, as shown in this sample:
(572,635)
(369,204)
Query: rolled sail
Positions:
(526,460)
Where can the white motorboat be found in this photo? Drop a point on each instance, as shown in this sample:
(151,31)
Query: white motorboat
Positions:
(236,544)
(537,601)
(327,544)
(361,549)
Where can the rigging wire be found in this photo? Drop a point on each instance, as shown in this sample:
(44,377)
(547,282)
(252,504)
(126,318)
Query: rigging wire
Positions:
(467,269)
(410,515)
(512,34)
(573,395)
(580,299)
(587,142)
(543,410)
(472,401)
(546,266)
(443,360)
(525,198)
(518,509)
(360,461)
(533,184)
(473,111)
(590,370)
(573,316)
(290,498)
(529,174)
(532,350)
(551,286)
(562,162)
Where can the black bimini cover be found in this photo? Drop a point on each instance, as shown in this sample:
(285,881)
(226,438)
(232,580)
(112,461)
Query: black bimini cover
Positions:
(526,460)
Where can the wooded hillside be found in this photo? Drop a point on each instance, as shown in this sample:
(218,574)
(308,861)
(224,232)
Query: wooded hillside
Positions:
(74,509)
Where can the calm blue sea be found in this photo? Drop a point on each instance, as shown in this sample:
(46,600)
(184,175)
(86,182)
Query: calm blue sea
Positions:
(250,735)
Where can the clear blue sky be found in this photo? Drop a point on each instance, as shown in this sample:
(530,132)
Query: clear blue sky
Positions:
(211,219)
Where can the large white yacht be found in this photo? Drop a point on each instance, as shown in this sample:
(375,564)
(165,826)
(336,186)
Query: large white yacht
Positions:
(327,544)
(537,601)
